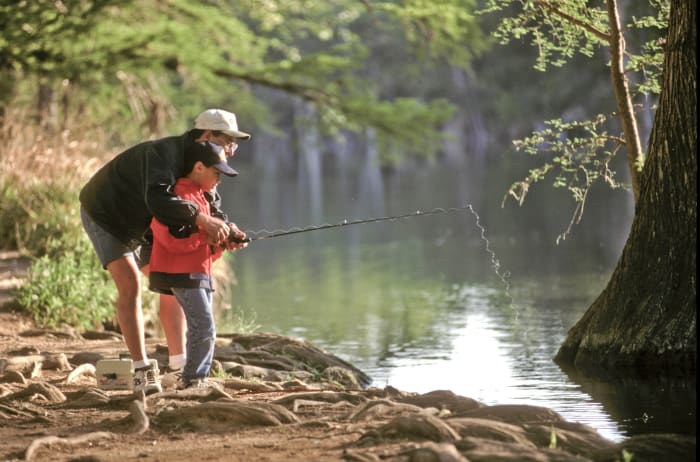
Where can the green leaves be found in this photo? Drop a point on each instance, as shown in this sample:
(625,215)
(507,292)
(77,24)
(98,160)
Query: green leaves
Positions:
(439,28)
(113,59)
(578,154)
(557,29)
(68,287)
(38,35)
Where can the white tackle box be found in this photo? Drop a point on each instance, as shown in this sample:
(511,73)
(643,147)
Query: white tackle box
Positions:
(115,374)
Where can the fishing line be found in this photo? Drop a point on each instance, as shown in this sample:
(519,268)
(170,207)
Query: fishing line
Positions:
(495,263)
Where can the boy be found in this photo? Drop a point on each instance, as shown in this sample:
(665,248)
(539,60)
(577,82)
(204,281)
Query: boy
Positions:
(182,258)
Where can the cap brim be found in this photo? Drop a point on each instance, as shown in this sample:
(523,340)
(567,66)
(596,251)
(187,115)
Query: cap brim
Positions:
(238,134)
(225,169)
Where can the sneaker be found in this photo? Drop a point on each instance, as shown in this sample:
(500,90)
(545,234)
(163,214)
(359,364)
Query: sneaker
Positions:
(146,379)
(202,384)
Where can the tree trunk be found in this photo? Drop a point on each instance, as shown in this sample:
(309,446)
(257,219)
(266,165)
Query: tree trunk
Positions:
(645,321)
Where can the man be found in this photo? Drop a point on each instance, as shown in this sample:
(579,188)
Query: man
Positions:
(117,206)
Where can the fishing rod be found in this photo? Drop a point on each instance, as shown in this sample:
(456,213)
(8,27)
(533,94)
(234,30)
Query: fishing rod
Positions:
(264,234)
(495,263)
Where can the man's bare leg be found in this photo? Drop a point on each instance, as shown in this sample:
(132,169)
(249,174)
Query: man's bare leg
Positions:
(126,276)
(174,323)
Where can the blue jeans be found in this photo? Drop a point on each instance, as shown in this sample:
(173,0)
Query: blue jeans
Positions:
(201,332)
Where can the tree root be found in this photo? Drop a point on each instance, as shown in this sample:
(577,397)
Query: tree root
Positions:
(50,392)
(38,444)
(224,416)
(138,414)
(413,427)
(84,369)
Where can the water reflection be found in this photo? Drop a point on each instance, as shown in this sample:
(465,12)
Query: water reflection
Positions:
(493,363)
(649,405)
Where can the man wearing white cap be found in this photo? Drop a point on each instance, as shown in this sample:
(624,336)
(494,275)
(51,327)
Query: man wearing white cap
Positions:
(117,206)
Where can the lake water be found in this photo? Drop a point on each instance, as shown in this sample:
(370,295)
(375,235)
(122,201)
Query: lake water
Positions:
(444,301)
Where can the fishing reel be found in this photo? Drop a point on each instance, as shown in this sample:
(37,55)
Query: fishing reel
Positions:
(234,239)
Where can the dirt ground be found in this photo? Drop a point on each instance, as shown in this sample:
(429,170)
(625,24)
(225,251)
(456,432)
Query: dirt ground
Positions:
(316,437)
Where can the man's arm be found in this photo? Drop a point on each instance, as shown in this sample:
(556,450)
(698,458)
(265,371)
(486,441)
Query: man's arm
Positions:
(214,199)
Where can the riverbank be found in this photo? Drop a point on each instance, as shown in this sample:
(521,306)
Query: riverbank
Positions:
(282,400)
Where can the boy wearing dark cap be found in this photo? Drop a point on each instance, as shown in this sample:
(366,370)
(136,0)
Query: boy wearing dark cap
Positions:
(182,258)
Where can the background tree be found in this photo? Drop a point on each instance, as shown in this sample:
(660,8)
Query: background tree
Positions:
(152,61)
(582,150)
(645,319)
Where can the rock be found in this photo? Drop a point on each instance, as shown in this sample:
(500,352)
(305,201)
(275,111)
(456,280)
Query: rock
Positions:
(650,448)
(575,438)
(486,450)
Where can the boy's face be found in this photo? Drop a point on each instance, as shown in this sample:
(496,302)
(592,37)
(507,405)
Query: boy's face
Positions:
(206,177)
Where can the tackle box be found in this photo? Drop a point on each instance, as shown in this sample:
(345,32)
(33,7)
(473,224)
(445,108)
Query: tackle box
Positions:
(115,374)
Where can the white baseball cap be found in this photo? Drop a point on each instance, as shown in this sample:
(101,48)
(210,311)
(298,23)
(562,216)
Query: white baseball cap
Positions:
(218,119)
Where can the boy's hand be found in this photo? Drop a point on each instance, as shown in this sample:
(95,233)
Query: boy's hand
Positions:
(237,239)
(216,229)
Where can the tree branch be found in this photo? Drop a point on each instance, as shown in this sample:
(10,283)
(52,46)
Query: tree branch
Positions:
(305,92)
(553,9)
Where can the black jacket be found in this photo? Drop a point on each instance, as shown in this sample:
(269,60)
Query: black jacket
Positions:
(137,185)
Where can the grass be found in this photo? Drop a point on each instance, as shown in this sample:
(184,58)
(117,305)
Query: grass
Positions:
(41,173)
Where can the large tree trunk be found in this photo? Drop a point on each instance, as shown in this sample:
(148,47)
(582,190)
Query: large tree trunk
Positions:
(645,318)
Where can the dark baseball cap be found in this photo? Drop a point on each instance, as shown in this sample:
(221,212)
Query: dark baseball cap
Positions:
(206,153)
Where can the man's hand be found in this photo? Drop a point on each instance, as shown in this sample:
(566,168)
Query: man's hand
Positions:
(217,230)
(239,236)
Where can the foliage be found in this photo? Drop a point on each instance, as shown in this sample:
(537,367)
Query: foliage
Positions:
(581,153)
(139,60)
(31,220)
(39,36)
(439,27)
(552,438)
(559,30)
(66,283)
(68,286)
(40,174)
